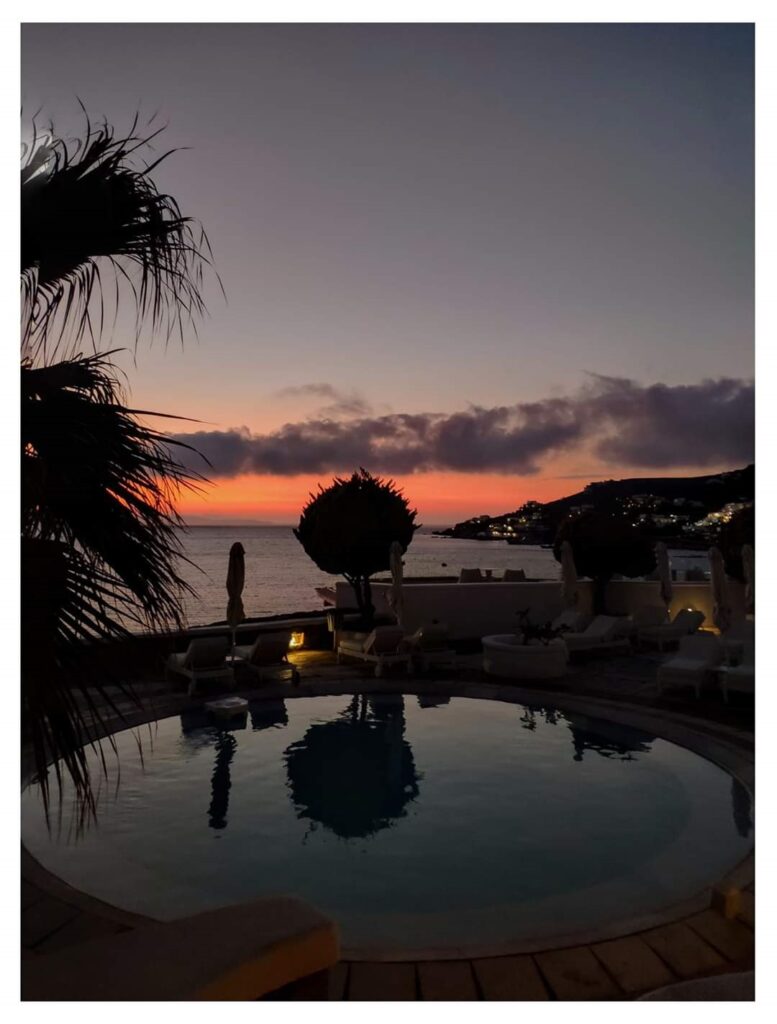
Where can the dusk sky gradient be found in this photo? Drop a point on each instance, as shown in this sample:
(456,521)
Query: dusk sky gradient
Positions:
(468,253)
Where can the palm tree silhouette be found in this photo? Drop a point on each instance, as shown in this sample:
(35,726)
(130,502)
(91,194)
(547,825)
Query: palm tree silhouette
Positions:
(99,544)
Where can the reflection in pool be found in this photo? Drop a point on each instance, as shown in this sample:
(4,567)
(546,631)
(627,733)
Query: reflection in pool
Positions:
(355,774)
(416,822)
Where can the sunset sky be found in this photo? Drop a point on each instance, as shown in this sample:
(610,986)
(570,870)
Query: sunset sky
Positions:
(494,262)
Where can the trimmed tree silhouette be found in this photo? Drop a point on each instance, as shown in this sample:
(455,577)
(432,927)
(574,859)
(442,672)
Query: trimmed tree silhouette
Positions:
(349,527)
(355,774)
(100,545)
(605,546)
(733,535)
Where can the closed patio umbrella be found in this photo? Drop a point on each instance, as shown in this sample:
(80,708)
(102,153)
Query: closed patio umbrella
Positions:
(664,573)
(748,567)
(721,608)
(569,588)
(236,577)
(395,597)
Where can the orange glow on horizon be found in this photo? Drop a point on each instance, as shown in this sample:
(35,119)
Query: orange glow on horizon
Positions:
(439,497)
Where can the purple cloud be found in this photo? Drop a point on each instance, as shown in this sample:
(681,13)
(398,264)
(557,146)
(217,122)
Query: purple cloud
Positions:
(627,423)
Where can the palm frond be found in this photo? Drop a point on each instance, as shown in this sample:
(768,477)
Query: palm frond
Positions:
(96,478)
(87,206)
(100,549)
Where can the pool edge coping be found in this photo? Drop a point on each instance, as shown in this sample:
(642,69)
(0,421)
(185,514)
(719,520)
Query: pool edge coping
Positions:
(734,758)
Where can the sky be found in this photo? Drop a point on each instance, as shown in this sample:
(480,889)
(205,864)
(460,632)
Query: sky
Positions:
(494,262)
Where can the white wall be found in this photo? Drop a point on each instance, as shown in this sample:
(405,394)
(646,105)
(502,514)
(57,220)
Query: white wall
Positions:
(477,609)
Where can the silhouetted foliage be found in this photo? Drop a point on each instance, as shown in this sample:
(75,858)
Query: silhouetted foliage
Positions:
(354,775)
(733,535)
(99,542)
(221,781)
(348,529)
(544,632)
(605,546)
(86,207)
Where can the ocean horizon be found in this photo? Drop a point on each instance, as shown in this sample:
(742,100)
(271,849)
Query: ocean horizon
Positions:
(281,579)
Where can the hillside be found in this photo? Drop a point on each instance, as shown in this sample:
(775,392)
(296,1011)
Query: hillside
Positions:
(685,499)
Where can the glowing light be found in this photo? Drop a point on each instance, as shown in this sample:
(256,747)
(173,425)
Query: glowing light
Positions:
(297,641)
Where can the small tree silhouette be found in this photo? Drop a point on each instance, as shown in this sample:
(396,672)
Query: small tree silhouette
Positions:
(738,531)
(349,527)
(603,546)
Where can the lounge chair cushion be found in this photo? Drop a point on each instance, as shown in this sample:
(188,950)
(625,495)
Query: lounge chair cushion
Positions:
(267,649)
(684,623)
(693,664)
(207,653)
(650,615)
(573,620)
(384,640)
(231,953)
(471,576)
(433,637)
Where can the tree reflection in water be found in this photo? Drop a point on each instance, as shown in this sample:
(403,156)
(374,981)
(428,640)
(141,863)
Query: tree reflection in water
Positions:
(605,738)
(226,744)
(354,775)
(268,714)
(199,731)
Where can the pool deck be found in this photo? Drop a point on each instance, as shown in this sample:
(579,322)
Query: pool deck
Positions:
(703,943)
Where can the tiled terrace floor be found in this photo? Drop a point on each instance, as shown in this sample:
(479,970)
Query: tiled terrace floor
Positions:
(53,915)
(619,969)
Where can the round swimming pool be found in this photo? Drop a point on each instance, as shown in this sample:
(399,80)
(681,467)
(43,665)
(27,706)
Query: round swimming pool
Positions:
(417,823)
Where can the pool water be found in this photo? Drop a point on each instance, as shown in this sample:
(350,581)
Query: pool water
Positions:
(417,823)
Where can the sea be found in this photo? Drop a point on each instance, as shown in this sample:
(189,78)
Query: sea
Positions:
(281,579)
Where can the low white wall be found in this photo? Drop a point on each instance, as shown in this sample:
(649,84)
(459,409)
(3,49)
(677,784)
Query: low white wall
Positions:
(469,609)
(625,596)
(477,609)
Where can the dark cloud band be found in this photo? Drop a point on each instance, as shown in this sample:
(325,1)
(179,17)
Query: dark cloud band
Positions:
(655,426)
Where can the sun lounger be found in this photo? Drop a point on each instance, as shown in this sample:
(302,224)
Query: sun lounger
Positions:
(735,639)
(693,665)
(383,646)
(204,660)
(429,646)
(268,654)
(572,621)
(601,635)
(684,623)
(471,576)
(645,617)
(739,678)
(239,952)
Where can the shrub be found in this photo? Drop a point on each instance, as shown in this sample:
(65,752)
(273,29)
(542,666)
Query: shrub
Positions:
(605,546)
(348,528)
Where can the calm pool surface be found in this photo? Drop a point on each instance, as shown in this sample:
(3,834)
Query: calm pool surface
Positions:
(414,823)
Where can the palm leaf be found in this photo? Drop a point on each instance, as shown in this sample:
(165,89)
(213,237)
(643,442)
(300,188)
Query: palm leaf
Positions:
(100,549)
(86,207)
(100,533)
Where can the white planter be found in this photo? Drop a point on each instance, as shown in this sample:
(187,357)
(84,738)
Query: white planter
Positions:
(507,656)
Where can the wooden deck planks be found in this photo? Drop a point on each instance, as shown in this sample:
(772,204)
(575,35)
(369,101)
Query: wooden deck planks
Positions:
(319,987)
(504,978)
(747,909)
(30,894)
(731,939)
(688,955)
(444,980)
(382,981)
(79,929)
(44,918)
(577,974)
(633,964)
